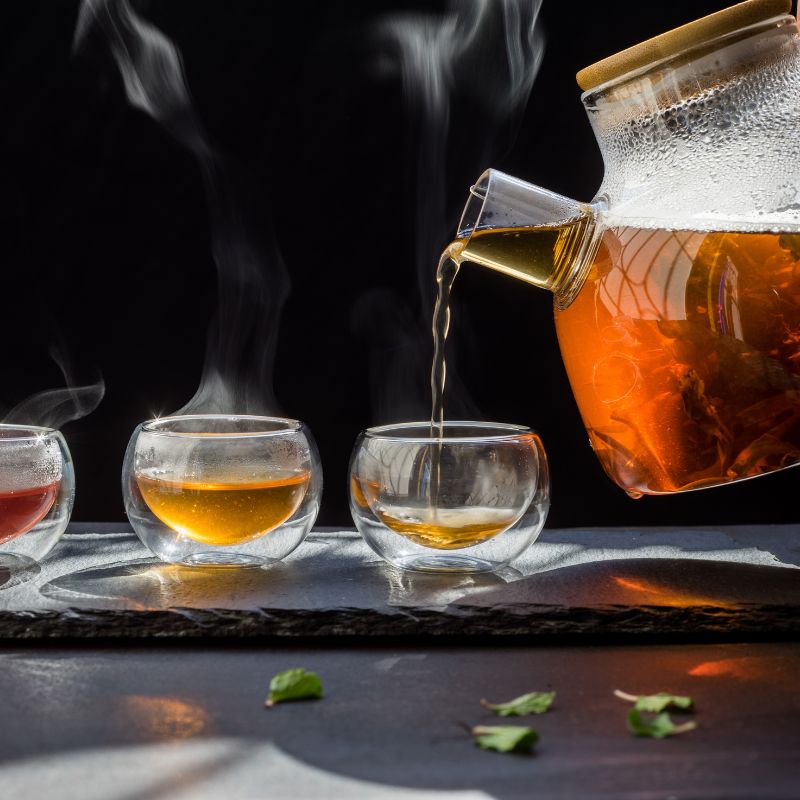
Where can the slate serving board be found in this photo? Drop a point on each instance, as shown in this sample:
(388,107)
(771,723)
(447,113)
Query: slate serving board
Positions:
(728,583)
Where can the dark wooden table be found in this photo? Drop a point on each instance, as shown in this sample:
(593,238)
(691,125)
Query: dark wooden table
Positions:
(189,722)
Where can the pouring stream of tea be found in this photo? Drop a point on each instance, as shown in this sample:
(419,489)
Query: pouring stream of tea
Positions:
(446,272)
(447,521)
(533,252)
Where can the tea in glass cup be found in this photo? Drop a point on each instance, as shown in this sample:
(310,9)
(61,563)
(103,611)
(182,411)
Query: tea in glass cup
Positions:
(37,492)
(463,497)
(221,489)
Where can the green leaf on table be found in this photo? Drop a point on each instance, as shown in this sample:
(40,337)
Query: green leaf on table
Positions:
(656,726)
(531,703)
(505,738)
(293,684)
(657,702)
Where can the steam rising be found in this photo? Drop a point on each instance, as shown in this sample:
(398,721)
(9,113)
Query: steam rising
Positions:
(237,373)
(56,407)
(483,55)
(487,50)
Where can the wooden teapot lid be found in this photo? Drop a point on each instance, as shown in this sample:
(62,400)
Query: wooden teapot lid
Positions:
(677,40)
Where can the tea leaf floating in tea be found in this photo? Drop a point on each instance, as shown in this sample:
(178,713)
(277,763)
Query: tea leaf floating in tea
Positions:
(532,703)
(293,684)
(656,702)
(505,738)
(657,726)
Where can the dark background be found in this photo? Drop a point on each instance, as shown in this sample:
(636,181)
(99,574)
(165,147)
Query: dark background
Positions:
(106,241)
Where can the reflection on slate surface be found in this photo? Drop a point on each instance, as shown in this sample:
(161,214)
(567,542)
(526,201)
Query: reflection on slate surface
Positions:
(146,585)
(151,584)
(127,577)
(305,583)
(674,583)
(438,591)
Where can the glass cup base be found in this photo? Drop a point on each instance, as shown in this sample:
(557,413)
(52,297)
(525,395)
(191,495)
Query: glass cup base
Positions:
(445,563)
(226,560)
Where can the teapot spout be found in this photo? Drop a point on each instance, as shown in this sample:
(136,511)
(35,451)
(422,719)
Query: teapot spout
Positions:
(529,233)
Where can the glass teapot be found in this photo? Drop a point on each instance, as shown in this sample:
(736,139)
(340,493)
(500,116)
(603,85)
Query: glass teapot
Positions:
(677,289)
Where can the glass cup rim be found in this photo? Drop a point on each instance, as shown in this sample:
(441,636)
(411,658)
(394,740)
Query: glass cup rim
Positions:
(31,432)
(152,426)
(510,432)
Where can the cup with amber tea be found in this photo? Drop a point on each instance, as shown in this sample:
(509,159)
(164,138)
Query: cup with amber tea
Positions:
(37,491)
(222,490)
(466,497)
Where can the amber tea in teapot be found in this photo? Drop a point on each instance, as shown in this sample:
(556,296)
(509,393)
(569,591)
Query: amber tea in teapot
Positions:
(713,321)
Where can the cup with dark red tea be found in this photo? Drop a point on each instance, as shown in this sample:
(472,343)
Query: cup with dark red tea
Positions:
(37,492)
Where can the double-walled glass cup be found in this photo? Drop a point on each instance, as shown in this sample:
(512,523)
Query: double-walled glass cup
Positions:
(471,500)
(37,492)
(222,490)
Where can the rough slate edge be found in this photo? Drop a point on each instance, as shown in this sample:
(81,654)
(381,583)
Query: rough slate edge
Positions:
(522,623)
(528,625)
